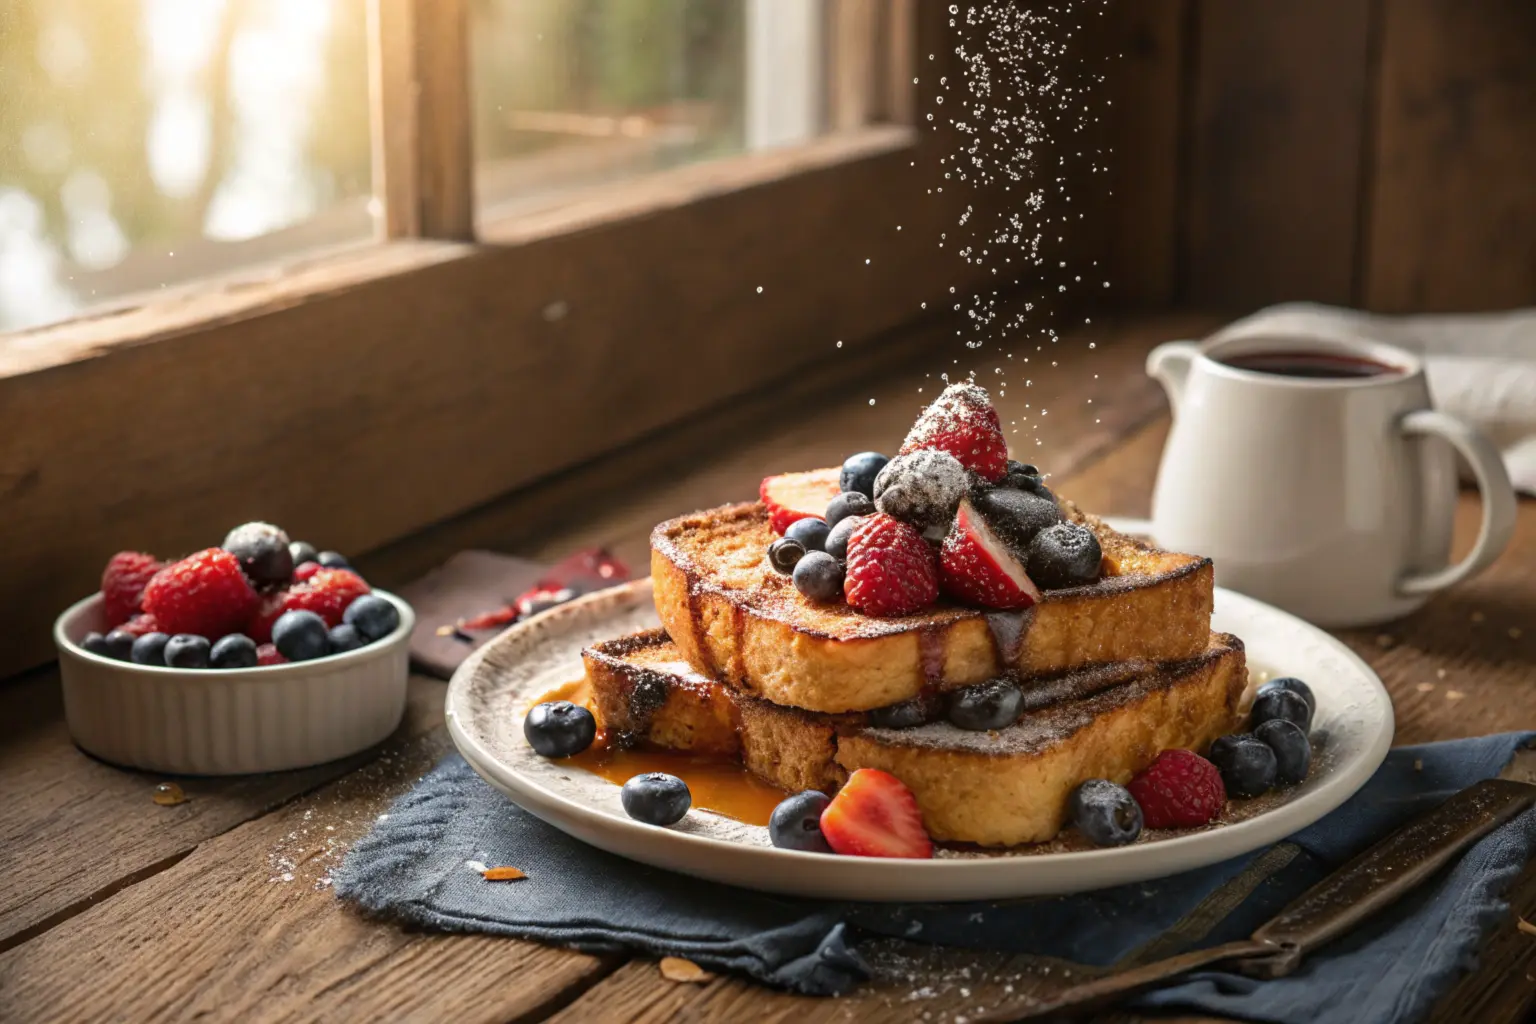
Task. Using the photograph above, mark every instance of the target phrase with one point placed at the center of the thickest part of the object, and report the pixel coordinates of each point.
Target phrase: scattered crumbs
(965, 993)
(1454, 695)
(287, 876)
(1514, 632)
(475, 866)
(1525, 926)
(1425, 687)
(168, 794)
(976, 918)
(1439, 673)
(914, 927)
(1478, 616)
(675, 968)
(1385, 640)
(502, 874)
(1418, 764)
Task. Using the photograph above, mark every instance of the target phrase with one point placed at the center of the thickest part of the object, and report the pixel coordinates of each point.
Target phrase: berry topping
(96, 644)
(1064, 555)
(977, 568)
(837, 540)
(796, 823)
(205, 594)
(116, 645)
(263, 551)
(345, 638)
(811, 533)
(1016, 516)
(327, 593)
(302, 552)
(1247, 764)
(185, 650)
(792, 496)
(140, 625)
(891, 569)
(819, 577)
(267, 654)
(1180, 789)
(985, 707)
(849, 503)
(922, 488)
(656, 798)
(1106, 814)
(123, 582)
(963, 423)
(1289, 705)
(905, 715)
(558, 728)
(332, 560)
(304, 571)
(234, 651)
(149, 649)
(301, 636)
(859, 472)
(372, 616)
(784, 553)
(875, 815)
(1293, 751)
(1296, 686)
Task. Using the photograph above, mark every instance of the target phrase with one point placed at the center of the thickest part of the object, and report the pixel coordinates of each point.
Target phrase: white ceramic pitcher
(1330, 497)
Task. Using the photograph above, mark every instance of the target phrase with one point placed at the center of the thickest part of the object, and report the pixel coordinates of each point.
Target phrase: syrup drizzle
(1008, 629)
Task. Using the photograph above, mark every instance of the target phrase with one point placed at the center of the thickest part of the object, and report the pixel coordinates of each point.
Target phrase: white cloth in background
(1481, 367)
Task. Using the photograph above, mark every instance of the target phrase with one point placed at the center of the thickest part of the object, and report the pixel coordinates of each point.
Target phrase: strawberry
(205, 593)
(268, 609)
(266, 654)
(326, 592)
(305, 571)
(875, 815)
(141, 624)
(123, 582)
(963, 423)
(977, 567)
(1180, 789)
(792, 496)
(891, 569)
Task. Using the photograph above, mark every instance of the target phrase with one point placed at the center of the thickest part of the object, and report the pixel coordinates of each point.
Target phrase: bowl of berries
(261, 654)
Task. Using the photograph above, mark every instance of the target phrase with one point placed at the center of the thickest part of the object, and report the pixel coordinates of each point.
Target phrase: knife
(1365, 885)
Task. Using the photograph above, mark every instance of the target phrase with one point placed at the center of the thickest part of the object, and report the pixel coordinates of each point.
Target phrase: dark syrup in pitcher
(1324, 365)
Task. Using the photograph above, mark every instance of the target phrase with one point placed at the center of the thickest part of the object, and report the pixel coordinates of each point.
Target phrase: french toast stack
(990, 646)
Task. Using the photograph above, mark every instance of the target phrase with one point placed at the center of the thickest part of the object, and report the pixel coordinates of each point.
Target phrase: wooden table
(112, 907)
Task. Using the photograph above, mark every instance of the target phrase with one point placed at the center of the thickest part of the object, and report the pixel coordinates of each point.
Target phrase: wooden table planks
(218, 909)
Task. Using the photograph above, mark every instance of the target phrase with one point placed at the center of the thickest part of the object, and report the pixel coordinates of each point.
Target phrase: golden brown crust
(736, 619)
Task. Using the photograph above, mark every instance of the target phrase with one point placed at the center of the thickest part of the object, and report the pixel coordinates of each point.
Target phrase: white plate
(492, 690)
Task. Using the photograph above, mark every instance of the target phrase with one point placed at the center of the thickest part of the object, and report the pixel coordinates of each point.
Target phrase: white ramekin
(230, 721)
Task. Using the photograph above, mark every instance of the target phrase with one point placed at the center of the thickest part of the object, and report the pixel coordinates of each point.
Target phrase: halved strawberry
(875, 815)
(976, 566)
(962, 422)
(792, 496)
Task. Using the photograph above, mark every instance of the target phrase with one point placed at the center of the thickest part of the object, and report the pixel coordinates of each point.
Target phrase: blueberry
(810, 532)
(373, 617)
(922, 488)
(656, 798)
(1293, 751)
(1246, 763)
(149, 649)
(558, 728)
(301, 636)
(859, 472)
(796, 823)
(1277, 703)
(119, 644)
(264, 552)
(1106, 814)
(234, 651)
(986, 706)
(96, 644)
(1017, 468)
(819, 577)
(900, 716)
(1017, 517)
(184, 650)
(1296, 686)
(1064, 555)
(345, 638)
(332, 560)
(302, 551)
(837, 540)
(849, 503)
(784, 553)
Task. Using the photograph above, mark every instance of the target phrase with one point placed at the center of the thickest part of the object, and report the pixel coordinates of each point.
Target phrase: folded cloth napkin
(1481, 367)
(421, 865)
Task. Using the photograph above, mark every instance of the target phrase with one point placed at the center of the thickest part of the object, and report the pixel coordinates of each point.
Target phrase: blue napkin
(416, 867)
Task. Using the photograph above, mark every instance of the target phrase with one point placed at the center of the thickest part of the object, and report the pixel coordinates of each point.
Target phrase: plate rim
(1224, 843)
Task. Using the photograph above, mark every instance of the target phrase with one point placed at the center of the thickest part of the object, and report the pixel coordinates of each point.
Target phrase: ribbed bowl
(230, 721)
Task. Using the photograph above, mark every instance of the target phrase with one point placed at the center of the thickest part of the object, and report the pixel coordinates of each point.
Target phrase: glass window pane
(144, 143)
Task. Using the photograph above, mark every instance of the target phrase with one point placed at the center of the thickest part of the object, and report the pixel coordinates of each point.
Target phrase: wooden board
(1452, 206)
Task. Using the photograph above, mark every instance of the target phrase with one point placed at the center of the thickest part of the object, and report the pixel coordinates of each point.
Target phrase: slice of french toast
(997, 788)
(735, 619)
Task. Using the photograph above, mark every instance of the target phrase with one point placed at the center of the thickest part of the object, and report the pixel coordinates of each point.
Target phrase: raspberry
(326, 592)
(268, 608)
(922, 488)
(891, 569)
(123, 582)
(305, 571)
(266, 654)
(141, 625)
(963, 423)
(205, 594)
(1180, 789)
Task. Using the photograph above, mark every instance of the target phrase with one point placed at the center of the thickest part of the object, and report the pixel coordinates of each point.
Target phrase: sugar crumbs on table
(1418, 764)
(1439, 673)
(675, 968)
(1385, 640)
(1525, 926)
(1425, 687)
(502, 874)
(1454, 695)
(168, 794)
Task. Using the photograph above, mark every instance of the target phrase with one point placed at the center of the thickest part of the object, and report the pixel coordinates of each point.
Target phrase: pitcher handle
(1492, 481)
(1169, 365)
